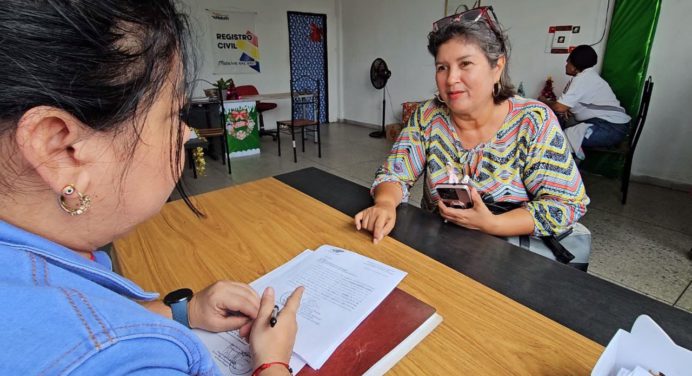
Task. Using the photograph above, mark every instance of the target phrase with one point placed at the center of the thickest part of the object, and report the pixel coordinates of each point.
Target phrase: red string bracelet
(264, 366)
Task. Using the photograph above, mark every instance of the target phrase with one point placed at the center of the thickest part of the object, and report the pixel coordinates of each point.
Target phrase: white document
(341, 289)
(230, 351)
(266, 280)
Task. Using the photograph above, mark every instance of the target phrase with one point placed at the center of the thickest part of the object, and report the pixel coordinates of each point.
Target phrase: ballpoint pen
(275, 313)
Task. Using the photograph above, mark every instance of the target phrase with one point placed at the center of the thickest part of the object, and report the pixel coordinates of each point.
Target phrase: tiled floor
(644, 245)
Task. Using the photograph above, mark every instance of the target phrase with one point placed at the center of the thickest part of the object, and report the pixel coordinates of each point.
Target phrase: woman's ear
(500, 67)
(51, 141)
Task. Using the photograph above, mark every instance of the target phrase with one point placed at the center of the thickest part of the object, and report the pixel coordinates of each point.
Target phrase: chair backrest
(245, 90)
(641, 116)
(305, 99)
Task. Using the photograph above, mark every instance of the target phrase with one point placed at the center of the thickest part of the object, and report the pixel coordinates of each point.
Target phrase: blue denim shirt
(61, 313)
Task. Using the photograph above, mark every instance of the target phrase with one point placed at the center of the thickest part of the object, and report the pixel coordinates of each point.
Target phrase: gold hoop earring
(84, 201)
(497, 87)
(439, 98)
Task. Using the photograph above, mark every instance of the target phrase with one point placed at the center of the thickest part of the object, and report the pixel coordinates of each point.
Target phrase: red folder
(394, 320)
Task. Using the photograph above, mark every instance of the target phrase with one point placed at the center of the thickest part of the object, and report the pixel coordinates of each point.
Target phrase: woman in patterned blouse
(512, 148)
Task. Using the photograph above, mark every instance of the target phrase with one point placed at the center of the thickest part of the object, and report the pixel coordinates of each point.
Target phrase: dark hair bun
(583, 57)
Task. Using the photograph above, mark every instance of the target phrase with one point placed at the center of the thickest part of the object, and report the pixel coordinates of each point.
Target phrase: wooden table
(252, 228)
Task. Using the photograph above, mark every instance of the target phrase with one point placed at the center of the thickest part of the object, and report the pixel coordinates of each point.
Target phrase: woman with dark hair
(91, 144)
(511, 148)
(591, 101)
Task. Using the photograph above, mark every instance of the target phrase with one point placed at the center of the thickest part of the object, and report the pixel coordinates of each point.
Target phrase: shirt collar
(19, 239)
(586, 71)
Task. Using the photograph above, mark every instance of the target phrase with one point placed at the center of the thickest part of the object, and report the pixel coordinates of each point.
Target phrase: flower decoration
(240, 124)
(198, 156)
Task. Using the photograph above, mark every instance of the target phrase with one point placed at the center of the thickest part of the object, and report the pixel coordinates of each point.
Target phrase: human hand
(542, 98)
(224, 306)
(378, 219)
(479, 217)
(274, 344)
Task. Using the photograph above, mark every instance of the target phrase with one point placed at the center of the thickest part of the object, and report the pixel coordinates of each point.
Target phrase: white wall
(271, 27)
(664, 150)
(527, 27)
(396, 30)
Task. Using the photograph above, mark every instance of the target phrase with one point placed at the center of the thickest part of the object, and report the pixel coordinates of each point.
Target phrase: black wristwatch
(178, 301)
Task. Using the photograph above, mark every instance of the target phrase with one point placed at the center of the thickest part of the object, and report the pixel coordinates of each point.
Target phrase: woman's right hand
(378, 219)
(274, 344)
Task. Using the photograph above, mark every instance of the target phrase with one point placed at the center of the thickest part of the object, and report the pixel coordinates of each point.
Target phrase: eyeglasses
(485, 13)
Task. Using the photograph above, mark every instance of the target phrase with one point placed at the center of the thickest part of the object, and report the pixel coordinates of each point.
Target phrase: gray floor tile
(656, 205)
(649, 259)
(685, 301)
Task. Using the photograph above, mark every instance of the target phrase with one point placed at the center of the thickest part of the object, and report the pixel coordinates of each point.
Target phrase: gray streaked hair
(493, 43)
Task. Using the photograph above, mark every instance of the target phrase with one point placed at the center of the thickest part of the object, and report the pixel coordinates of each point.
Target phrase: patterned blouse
(527, 161)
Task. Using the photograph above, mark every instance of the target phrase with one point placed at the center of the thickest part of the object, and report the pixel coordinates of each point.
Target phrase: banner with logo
(234, 43)
(242, 123)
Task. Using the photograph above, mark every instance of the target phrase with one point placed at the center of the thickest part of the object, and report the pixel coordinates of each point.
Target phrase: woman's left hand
(224, 306)
(479, 217)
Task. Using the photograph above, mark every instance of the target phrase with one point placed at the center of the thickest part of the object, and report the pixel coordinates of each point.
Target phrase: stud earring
(84, 201)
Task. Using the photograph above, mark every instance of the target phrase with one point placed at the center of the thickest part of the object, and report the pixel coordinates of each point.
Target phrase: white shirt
(589, 96)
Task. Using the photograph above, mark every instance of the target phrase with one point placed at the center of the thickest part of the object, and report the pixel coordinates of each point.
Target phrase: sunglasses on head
(485, 13)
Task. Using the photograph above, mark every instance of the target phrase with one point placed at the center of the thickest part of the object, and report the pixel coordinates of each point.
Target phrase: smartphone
(455, 195)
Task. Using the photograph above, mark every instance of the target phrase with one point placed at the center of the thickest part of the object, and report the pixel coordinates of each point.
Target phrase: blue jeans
(605, 133)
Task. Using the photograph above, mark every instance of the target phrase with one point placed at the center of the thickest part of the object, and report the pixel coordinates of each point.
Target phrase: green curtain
(629, 48)
(624, 67)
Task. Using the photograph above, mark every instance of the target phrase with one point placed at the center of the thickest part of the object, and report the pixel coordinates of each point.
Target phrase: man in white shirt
(589, 98)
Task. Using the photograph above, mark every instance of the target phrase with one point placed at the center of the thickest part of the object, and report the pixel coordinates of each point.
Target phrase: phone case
(455, 195)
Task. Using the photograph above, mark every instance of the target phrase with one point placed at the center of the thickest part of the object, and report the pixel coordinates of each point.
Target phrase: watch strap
(179, 310)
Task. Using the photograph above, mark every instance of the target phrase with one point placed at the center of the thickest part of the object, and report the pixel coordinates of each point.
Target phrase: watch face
(177, 296)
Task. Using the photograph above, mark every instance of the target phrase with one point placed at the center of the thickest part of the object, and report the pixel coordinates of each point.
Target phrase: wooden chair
(603, 160)
(249, 90)
(305, 113)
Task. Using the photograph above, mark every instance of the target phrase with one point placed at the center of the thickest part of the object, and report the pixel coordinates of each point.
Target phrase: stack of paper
(646, 349)
(341, 289)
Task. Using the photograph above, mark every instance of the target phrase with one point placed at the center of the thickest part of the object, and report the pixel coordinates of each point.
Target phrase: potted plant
(226, 85)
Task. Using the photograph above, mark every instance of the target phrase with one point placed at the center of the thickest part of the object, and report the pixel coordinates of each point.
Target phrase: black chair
(602, 160)
(305, 113)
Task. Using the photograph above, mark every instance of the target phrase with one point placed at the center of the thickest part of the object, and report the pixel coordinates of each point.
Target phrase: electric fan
(379, 74)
